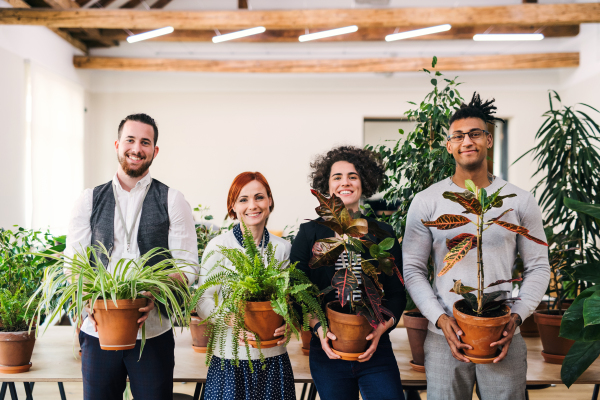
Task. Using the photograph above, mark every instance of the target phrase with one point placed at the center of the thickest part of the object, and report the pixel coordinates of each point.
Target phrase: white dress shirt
(182, 238)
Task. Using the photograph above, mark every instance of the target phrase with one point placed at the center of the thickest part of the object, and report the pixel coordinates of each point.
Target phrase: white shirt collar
(142, 183)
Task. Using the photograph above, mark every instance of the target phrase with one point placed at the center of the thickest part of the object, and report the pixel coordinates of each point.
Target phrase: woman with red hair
(249, 200)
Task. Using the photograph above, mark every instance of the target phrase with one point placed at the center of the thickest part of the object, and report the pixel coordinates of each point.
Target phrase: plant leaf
(326, 252)
(459, 288)
(375, 299)
(456, 254)
(465, 199)
(364, 311)
(521, 230)
(326, 290)
(578, 359)
(498, 201)
(593, 210)
(500, 216)
(501, 281)
(470, 186)
(387, 244)
(345, 282)
(588, 272)
(450, 243)
(375, 230)
(370, 270)
(471, 300)
(329, 208)
(447, 221)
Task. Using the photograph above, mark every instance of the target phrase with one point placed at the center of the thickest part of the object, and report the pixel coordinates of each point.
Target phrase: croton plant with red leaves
(351, 237)
(476, 201)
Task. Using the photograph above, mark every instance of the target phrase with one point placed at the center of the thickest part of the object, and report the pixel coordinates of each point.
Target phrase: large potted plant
(258, 294)
(20, 275)
(351, 320)
(115, 296)
(481, 317)
(581, 322)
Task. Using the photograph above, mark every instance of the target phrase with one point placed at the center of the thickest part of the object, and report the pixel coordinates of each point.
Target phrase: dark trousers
(105, 372)
(376, 379)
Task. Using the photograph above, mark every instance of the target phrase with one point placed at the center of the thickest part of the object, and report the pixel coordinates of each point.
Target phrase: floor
(74, 391)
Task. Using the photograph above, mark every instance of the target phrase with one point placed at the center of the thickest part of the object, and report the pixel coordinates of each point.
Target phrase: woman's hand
(374, 338)
(282, 331)
(247, 335)
(325, 343)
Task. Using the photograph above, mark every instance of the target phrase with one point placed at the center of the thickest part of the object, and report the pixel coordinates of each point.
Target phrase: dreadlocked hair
(477, 109)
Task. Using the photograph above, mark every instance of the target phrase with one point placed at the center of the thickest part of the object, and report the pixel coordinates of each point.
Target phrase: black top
(237, 232)
(394, 298)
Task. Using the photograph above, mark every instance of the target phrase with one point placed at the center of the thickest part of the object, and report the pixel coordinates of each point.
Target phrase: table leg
(61, 389)
(3, 391)
(203, 391)
(594, 395)
(13, 391)
(312, 393)
(28, 394)
(197, 391)
(304, 386)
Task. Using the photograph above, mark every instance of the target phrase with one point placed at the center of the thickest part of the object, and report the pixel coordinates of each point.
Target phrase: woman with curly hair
(350, 173)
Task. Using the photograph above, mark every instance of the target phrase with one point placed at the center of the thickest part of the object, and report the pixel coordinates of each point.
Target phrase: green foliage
(205, 232)
(21, 272)
(254, 276)
(419, 159)
(82, 280)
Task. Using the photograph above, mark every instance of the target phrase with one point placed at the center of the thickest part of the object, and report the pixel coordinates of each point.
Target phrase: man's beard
(137, 172)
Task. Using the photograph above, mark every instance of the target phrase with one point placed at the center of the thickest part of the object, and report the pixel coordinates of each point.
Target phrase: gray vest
(154, 221)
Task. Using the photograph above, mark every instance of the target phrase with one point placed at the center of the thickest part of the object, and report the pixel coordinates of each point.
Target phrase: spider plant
(253, 277)
(83, 279)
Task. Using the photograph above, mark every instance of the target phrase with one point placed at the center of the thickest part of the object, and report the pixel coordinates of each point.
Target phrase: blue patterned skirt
(275, 382)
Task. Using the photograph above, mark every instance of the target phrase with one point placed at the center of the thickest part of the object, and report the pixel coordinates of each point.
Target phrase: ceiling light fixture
(418, 32)
(239, 34)
(150, 34)
(329, 33)
(502, 37)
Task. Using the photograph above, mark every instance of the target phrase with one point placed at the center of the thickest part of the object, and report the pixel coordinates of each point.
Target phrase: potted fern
(114, 296)
(481, 317)
(258, 293)
(351, 320)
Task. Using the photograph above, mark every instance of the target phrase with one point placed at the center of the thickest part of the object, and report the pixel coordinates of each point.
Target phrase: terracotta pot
(117, 325)
(529, 328)
(15, 351)
(200, 333)
(261, 319)
(349, 329)
(306, 336)
(555, 347)
(479, 333)
(416, 329)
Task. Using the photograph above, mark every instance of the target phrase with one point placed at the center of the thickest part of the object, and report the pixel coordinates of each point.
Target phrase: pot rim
(336, 315)
(259, 305)
(476, 320)
(123, 304)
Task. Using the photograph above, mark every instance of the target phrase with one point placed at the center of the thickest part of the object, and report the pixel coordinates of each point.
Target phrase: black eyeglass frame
(449, 137)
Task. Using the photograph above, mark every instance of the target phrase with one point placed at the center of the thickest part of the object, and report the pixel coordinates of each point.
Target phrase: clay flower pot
(529, 328)
(555, 347)
(350, 331)
(117, 325)
(306, 336)
(416, 329)
(261, 319)
(479, 333)
(15, 351)
(200, 333)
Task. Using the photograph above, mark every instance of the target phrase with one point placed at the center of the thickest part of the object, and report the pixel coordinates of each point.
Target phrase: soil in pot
(306, 336)
(200, 333)
(349, 329)
(117, 324)
(261, 319)
(15, 351)
(480, 332)
(416, 329)
(555, 347)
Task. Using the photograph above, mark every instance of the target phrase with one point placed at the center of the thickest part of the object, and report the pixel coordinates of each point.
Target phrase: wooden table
(55, 359)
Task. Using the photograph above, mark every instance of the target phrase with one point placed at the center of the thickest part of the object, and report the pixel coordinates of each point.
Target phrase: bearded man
(131, 215)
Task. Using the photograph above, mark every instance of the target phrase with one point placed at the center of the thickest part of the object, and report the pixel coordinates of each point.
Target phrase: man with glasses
(451, 375)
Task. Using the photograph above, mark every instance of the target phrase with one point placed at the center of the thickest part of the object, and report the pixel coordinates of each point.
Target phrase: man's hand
(509, 332)
(91, 317)
(146, 310)
(281, 331)
(180, 277)
(451, 329)
(374, 337)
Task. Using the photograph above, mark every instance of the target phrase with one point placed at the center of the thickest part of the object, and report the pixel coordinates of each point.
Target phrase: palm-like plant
(83, 279)
(251, 277)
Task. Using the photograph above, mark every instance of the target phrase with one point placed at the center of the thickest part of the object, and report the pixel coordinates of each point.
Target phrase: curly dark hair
(368, 164)
(484, 110)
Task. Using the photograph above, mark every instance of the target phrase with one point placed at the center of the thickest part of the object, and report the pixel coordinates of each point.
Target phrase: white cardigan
(206, 304)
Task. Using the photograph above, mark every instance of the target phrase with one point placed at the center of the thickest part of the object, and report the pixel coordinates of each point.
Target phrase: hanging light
(418, 32)
(238, 34)
(507, 37)
(329, 33)
(150, 34)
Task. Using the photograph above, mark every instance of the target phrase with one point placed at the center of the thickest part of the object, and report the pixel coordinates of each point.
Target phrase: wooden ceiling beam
(519, 14)
(160, 4)
(462, 63)
(363, 34)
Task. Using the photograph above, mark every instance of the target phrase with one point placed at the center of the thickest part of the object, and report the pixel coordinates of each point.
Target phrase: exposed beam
(243, 4)
(132, 4)
(520, 14)
(462, 63)
(363, 34)
(160, 4)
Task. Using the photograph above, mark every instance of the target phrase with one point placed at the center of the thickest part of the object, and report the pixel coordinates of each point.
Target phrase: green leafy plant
(21, 273)
(568, 159)
(581, 322)
(252, 277)
(476, 201)
(83, 279)
(351, 238)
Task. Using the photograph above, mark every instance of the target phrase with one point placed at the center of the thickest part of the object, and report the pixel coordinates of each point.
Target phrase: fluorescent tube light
(329, 33)
(501, 37)
(150, 34)
(238, 34)
(418, 32)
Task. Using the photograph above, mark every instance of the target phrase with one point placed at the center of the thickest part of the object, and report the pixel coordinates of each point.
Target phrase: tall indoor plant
(352, 320)
(258, 292)
(481, 317)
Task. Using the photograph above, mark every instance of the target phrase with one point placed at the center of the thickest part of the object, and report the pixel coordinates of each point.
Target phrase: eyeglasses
(474, 135)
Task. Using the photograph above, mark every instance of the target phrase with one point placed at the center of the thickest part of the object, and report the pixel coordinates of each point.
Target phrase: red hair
(239, 182)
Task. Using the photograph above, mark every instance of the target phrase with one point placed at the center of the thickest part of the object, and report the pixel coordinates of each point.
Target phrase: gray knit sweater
(500, 248)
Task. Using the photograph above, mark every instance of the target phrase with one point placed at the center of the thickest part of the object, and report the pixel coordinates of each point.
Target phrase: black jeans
(105, 372)
(376, 379)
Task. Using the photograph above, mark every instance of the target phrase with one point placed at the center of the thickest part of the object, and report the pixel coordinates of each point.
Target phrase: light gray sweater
(500, 248)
